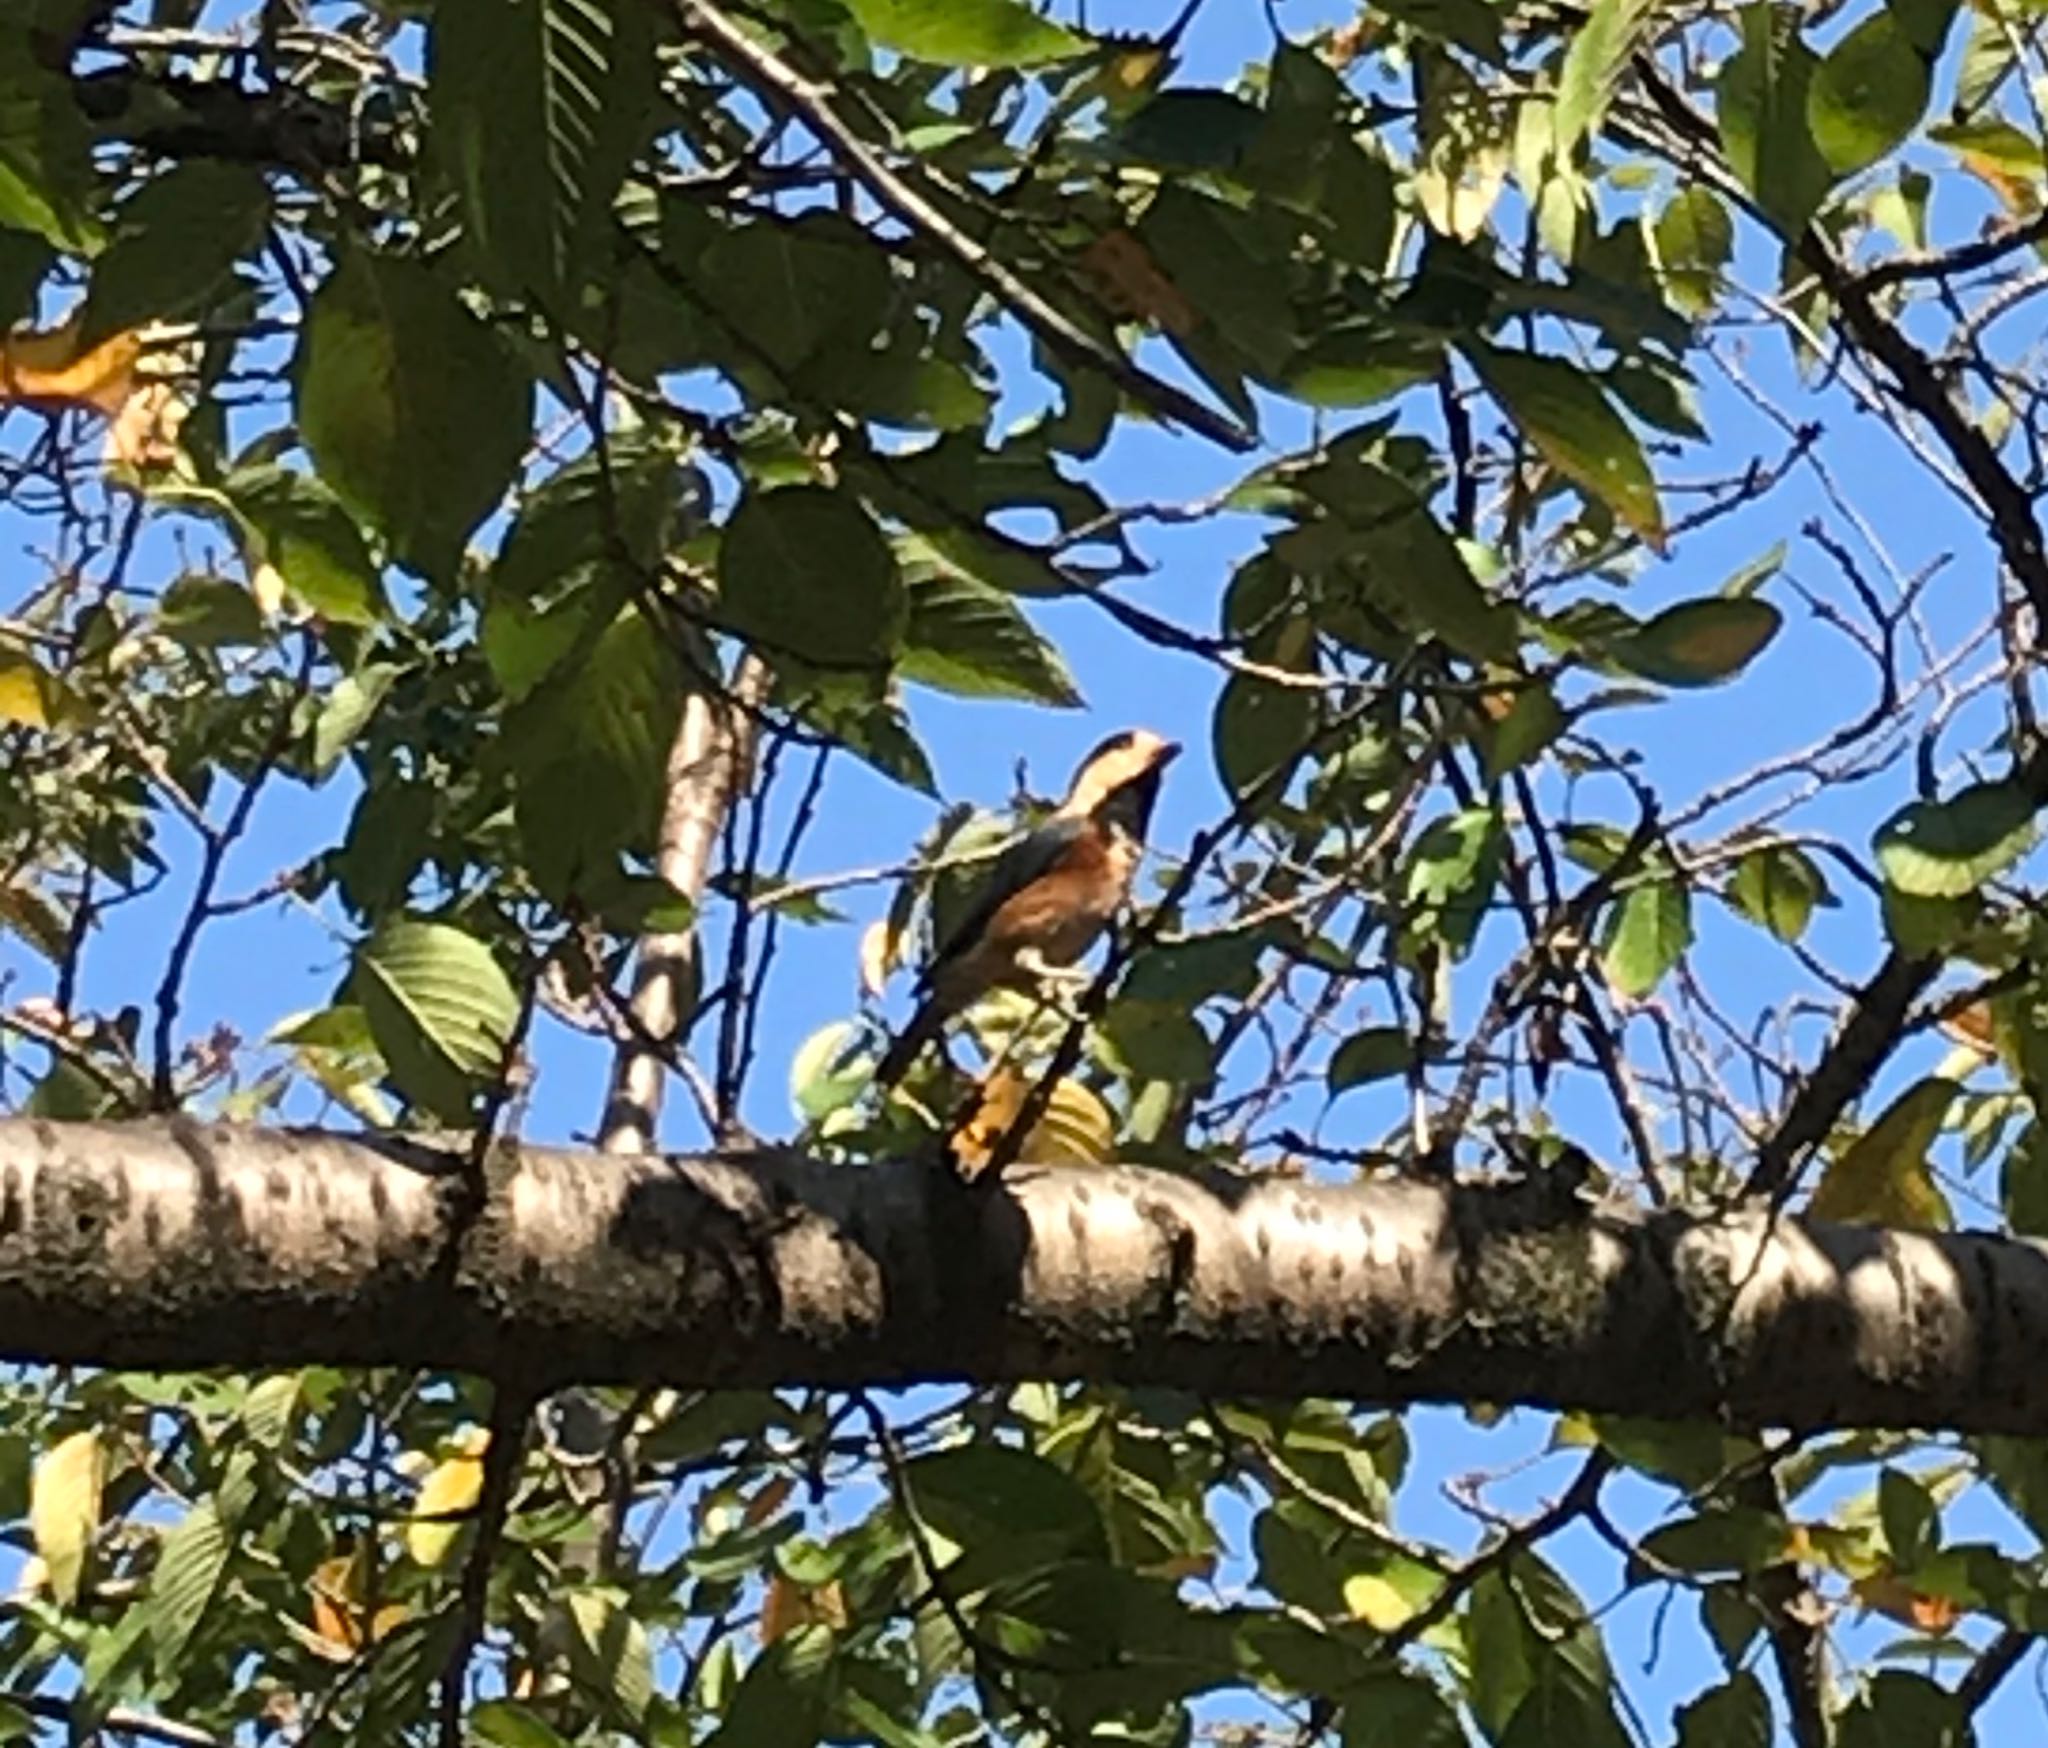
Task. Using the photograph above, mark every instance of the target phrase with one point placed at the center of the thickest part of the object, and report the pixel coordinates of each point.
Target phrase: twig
(511, 1411)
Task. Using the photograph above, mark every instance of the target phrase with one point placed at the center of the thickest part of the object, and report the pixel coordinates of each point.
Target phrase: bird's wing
(1030, 858)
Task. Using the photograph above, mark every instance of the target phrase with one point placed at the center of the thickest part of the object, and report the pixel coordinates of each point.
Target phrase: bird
(1050, 895)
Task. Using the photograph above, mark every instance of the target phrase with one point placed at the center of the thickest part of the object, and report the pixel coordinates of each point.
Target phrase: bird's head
(1125, 770)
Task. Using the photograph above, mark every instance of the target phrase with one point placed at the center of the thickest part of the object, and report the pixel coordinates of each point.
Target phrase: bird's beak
(1169, 750)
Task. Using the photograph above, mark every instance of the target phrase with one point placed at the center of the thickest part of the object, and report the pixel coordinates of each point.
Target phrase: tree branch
(177, 1244)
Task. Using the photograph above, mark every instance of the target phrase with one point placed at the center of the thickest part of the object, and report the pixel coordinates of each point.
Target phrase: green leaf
(972, 640)
(610, 1652)
(804, 570)
(347, 711)
(966, 33)
(1397, 1708)
(810, 294)
(1189, 130)
(1883, 1177)
(1695, 239)
(1532, 721)
(298, 525)
(1720, 1540)
(1451, 874)
(1574, 426)
(188, 1572)
(204, 612)
(414, 411)
(1593, 66)
(1868, 94)
(1900, 1708)
(440, 1008)
(1359, 364)
(1260, 732)
(588, 752)
(1699, 643)
(781, 1700)
(2023, 1182)
(1948, 849)
(505, 1723)
(45, 150)
(176, 241)
(1762, 114)
(829, 1071)
(1376, 1053)
(1779, 887)
(24, 259)
(980, 1494)
(1734, 1715)
(1651, 930)
(538, 107)
(1156, 1040)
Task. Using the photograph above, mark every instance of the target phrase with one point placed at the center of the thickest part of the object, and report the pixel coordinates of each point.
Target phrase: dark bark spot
(277, 1184)
(10, 1204)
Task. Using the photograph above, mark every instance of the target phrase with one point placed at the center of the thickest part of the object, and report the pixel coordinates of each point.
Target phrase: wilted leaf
(48, 370)
(1883, 1178)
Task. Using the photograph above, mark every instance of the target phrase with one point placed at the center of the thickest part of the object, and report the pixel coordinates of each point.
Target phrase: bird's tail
(909, 1044)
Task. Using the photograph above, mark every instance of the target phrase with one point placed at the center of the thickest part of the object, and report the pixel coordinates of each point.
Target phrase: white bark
(180, 1244)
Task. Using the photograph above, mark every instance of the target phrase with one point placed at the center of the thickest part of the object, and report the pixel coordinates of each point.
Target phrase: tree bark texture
(180, 1244)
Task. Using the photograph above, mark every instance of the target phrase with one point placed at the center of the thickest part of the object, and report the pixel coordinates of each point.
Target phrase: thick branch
(178, 1244)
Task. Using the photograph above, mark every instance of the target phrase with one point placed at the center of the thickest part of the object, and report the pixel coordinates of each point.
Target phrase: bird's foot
(1067, 980)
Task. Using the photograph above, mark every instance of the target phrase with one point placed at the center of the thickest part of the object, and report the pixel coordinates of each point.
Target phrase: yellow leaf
(789, 1605)
(46, 370)
(1882, 1179)
(1890, 1595)
(1371, 1599)
(341, 1622)
(266, 583)
(64, 1509)
(1077, 1128)
(450, 1490)
(24, 697)
(879, 947)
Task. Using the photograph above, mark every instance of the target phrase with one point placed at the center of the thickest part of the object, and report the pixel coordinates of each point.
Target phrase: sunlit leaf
(445, 1497)
(967, 33)
(1948, 849)
(1651, 929)
(1762, 113)
(1868, 93)
(440, 1008)
(64, 1509)
(1779, 886)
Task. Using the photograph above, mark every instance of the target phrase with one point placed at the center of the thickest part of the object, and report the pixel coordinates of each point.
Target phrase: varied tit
(1049, 897)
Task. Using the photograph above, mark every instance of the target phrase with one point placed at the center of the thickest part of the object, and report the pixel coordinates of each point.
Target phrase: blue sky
(254, 969)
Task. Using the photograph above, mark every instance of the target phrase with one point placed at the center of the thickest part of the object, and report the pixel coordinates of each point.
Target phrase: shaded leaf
(1699, 643)
(1375, 1053)
(414, 412)
(1762, 114)
(189, 1569)
(1574, 426)
(299, 526)
(538, 106)
(1593, 66)
(805, 570)
(972, 640)
(1883, 1178)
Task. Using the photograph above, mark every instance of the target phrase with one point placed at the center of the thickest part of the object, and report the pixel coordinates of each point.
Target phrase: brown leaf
(44, 369)
(1126, 279)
